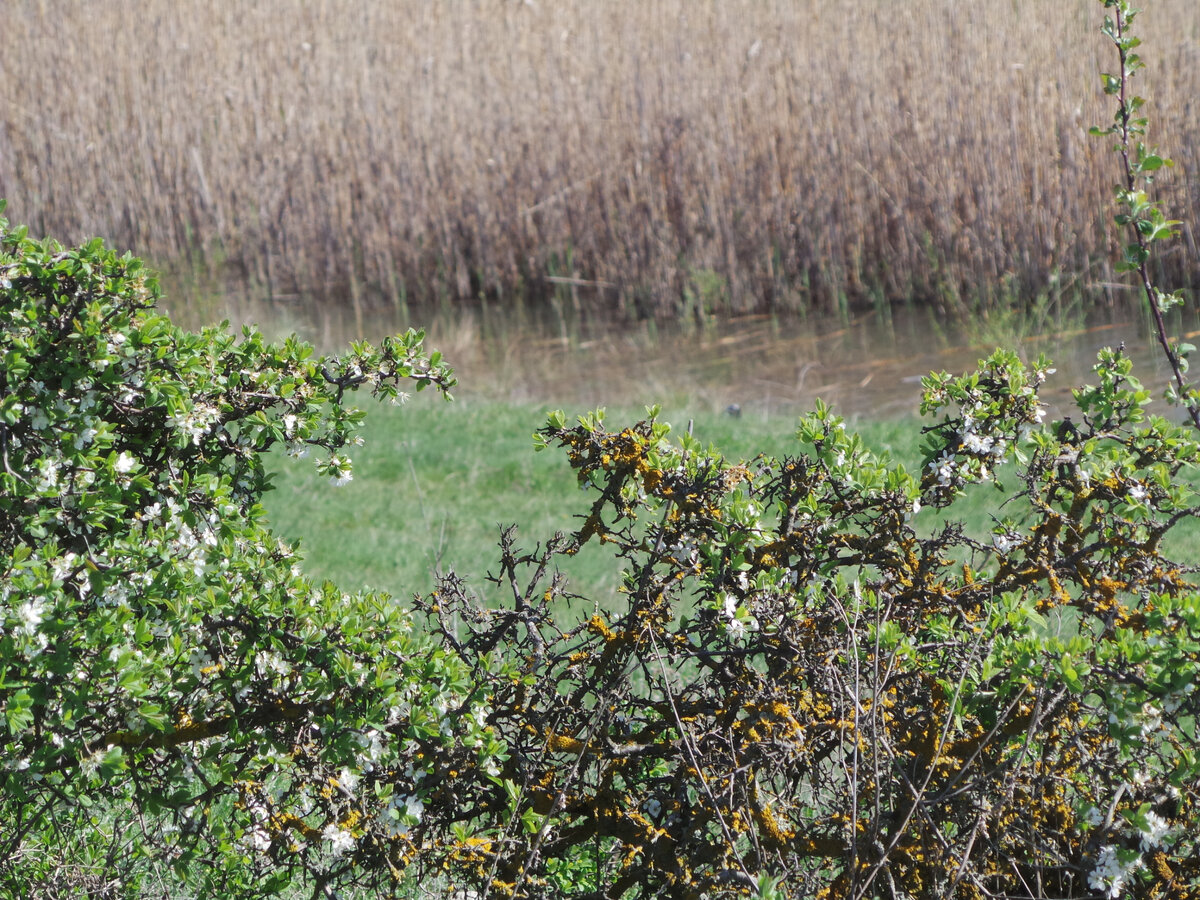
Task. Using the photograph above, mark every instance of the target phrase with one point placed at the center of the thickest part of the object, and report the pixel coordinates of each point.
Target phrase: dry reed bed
(746, 154)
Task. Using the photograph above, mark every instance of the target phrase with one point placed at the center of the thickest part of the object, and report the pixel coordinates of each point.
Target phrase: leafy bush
(180, 703)
(802, 682)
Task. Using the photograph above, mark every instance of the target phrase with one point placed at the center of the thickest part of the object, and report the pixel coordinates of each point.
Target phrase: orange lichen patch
(765, 818)
(1050, 526)
(651, 478)
(593, 524)
(597, 626)
(281, 822)
(735, 475)
(563, 743)
(474, 851)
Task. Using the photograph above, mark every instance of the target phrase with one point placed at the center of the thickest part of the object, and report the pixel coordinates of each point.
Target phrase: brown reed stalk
(796, 155)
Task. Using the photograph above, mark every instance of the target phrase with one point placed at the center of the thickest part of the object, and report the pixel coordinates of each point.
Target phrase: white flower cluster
(87, 433)
(1115, 865)
(340, 471)
(944, 466)
(259, 836)
(200, 661)
(48, 470)
(31, 614)
(340, 840)
(269, 663)
(1147, 721)
(1112, 871)
(371, 742)
(195, 422)
(401, 813)
(984, 444)
(976, 443)
(1156, 832)
(737, 623)
(1005, 541)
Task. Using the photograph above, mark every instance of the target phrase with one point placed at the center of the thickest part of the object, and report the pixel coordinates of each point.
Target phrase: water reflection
(868, 367)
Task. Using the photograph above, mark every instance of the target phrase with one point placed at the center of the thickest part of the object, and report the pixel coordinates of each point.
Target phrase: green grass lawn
(435, 482)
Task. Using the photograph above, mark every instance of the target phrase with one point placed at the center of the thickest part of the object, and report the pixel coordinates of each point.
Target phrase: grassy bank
(660, 158)
(435, 483)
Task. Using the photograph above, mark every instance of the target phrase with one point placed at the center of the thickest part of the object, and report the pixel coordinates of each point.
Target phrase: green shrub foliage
(180, 702)
(814, 673)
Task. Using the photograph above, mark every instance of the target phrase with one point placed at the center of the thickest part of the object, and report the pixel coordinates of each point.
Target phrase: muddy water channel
(869, 366)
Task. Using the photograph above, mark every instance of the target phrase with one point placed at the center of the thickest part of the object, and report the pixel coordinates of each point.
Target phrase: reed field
(658, 158)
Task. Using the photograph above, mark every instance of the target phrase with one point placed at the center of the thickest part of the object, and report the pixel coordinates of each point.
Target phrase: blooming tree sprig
(1139, 214)
(994, 411)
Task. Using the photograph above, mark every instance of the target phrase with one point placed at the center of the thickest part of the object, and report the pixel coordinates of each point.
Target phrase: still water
(869, 366)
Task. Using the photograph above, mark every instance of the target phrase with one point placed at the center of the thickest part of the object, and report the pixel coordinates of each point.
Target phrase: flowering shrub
(806, 677)
(180, 703)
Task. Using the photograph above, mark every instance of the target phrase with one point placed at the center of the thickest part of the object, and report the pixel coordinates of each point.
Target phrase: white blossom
(372, 744)
(414, 806)
(340, 840)
(944, 467)
(1156, 833)
(731, 605)
(401, 813)
(196, 422)
(85, 437)
(200, 661)
(1004, 542)
(90, 764)
(976, 443)
(39, 420)
(340, 471)
(49, 477)
(1110, 874)
(268, 662)
(31, 614)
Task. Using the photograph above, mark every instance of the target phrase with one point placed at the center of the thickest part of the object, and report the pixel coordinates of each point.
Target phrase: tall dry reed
(647, 155)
